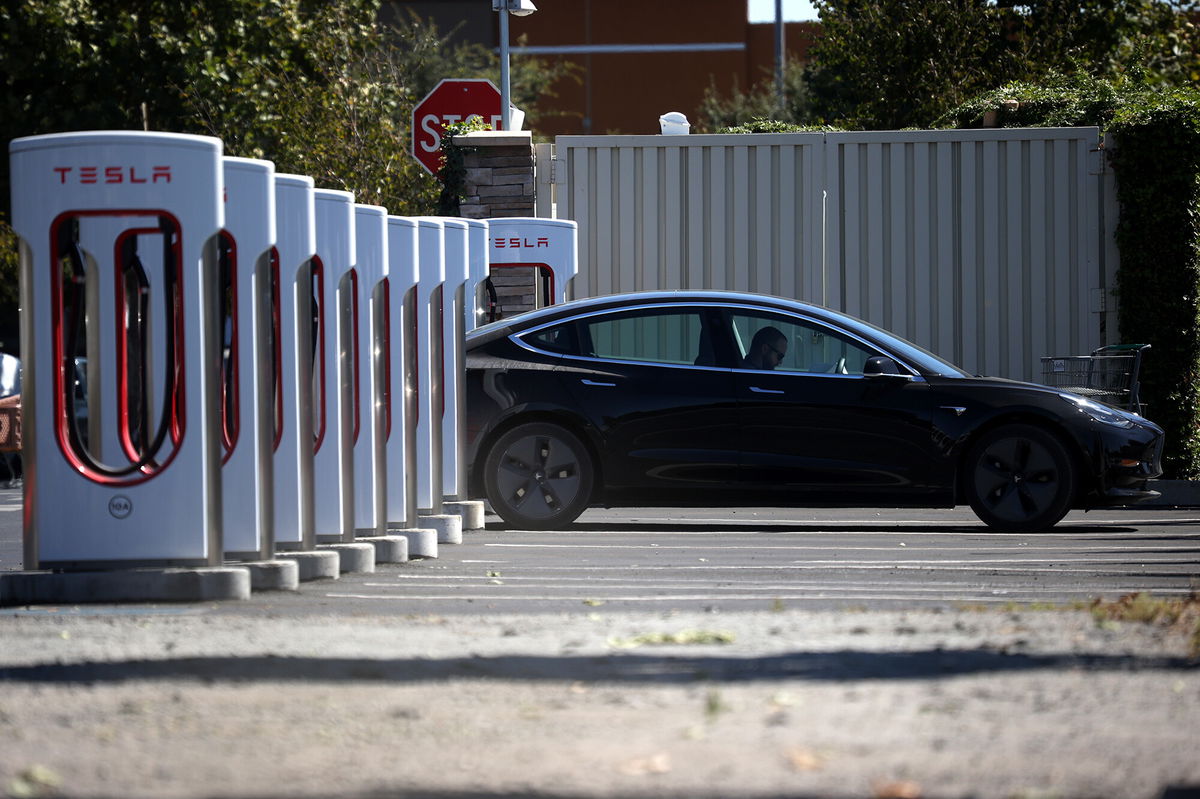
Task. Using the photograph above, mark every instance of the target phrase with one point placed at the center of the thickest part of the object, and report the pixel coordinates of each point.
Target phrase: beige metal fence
(991, 248)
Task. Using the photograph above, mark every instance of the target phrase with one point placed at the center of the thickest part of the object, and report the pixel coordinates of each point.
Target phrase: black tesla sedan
(671, 399)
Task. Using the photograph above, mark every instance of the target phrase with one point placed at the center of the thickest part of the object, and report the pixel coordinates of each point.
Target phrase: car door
(814, 428)
(648, 381)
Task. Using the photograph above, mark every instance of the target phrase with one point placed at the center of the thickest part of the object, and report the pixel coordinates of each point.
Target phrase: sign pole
(505, 82)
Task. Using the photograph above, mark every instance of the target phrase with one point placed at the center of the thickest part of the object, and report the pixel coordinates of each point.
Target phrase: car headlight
(1101, 413)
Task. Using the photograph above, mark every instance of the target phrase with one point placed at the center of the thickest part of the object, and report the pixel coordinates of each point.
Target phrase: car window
(787, 344)
(561, 339)
(655, 336)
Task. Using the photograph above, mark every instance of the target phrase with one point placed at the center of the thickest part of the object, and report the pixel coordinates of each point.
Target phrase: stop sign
(452, 100)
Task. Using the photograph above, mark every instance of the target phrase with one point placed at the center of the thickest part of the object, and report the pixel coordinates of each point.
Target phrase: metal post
(779, 47)
(505, 89)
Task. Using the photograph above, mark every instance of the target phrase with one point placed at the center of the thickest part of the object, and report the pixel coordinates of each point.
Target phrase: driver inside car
(768, 348)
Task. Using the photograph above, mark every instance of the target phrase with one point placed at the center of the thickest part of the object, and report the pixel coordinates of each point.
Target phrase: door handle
(757, 390)
(587, 382)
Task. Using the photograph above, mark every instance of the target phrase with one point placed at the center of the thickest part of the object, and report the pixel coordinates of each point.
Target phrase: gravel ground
(184, 703)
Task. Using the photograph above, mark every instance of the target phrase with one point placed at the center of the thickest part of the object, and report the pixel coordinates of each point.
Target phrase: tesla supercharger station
(370, 467)
(156, 499)
(475, 309)
(431, 274)
(402, 386)
(295, 228)
(248, 302)
(457, 251)
(334, 367)
(551, 246)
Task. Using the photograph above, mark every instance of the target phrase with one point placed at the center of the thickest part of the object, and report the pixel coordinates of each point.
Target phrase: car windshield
(919, 357)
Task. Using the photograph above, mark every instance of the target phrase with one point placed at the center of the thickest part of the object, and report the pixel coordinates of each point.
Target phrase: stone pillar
(499, 183)
(499, 173)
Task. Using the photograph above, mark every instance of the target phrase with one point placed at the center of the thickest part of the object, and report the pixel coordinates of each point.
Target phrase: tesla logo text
(112, 174)
(521, 242)
(120, 506)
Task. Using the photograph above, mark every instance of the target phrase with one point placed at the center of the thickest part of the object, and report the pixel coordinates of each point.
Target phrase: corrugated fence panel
(659, 212)
(984, 246)
(979, 245)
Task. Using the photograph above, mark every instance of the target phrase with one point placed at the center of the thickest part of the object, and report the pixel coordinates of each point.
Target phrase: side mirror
(883, 366)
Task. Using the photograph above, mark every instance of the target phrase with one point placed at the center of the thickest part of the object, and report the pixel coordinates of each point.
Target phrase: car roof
(636, 298)
(884, 339)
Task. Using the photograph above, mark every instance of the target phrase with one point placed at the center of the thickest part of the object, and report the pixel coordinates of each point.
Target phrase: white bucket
(674, 124)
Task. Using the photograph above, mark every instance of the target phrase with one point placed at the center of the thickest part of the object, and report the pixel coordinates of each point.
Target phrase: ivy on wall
(1156, 158)
(453, 173)
(1157, 161)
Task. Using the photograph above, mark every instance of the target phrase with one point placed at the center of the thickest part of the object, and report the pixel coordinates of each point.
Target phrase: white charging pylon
(156, 501)
(250, 279)
(334, 367)
(296, 246)
(370, 465)
(457, 258)
(401, 446)
(550, 246)
(475, 308)
(431, 275)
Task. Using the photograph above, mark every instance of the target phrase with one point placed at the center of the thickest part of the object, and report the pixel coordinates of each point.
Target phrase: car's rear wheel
(538, 476)
(1019, 479)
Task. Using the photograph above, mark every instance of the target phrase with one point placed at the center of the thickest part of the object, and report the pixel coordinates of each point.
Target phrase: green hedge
(1157, 162)
(1156, 158)
(764, 125)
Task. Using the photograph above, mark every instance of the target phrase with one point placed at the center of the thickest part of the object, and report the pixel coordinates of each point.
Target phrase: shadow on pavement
(1169, 792)
(622, 667)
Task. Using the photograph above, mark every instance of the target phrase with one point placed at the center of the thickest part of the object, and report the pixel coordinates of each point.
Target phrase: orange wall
(626, 92)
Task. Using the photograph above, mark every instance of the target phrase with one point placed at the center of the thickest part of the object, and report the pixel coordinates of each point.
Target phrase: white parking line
(825, 594)
(1059, 535)
(764, 590)
(1085, 566)
(893, 550)
(963, 528)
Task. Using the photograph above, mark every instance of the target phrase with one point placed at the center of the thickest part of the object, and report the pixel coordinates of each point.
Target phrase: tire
(538, 476)
(1019, 479)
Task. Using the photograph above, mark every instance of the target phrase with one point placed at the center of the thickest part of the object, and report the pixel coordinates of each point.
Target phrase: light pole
(779, 56)
(520, 8)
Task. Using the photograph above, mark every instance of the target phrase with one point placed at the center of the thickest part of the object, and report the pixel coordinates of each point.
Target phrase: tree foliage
(337, 112)
(891, 64)
(319, 88)
(897, 63)
(759, 102)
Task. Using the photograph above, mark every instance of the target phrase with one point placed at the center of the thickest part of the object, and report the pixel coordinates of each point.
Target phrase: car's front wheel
(1019, 479)
(538, 476)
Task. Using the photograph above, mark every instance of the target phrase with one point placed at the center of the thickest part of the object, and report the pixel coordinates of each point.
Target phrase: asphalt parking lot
(659, 653)
(735, 560)
(740, 559)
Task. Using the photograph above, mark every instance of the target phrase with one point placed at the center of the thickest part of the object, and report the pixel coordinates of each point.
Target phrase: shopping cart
(1108, 375)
